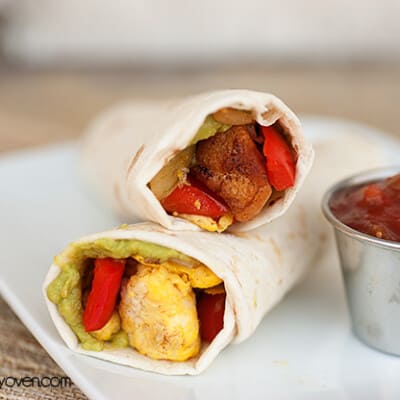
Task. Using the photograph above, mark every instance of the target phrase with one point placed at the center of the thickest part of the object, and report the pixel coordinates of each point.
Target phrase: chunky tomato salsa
(372, 208)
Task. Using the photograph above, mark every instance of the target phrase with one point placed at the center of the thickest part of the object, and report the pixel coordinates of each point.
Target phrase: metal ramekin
(371, 272)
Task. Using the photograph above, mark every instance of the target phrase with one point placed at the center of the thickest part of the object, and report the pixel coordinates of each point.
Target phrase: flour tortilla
(127, 146)
(258, 267)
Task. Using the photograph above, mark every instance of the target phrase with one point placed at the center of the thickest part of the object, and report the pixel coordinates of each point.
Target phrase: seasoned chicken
(158, 311)
(232, 167)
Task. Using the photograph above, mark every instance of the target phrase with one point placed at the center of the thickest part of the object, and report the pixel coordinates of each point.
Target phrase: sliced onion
(173, 172)
(232, 116)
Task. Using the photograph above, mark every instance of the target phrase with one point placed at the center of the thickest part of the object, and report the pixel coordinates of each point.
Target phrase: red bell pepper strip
(211, 309)
(103, 294)
(193, 199)
(281, 165)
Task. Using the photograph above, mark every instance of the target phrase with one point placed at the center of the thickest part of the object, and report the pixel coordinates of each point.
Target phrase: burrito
(170, 301)
(227, 159)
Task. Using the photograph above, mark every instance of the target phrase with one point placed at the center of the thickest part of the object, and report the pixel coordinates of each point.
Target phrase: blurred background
(61, 62)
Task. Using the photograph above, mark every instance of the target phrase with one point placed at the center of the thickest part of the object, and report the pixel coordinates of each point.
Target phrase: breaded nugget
(232, 167)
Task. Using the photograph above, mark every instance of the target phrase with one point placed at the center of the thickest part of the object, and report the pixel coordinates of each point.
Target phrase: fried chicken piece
(232, 167)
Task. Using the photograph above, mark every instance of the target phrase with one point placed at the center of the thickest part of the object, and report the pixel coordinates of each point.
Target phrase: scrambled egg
(158, 312)
(199, 275)
(208, 223)
(216, 289)
(109, 329)
(158, 308)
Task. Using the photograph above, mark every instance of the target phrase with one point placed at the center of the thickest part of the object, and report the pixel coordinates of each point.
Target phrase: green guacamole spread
(66, 289)
(209, 128)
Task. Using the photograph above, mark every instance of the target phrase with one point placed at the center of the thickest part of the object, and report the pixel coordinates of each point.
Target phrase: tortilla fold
(127, 146)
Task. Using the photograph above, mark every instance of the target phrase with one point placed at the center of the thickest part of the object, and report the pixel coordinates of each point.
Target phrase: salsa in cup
(372, 208)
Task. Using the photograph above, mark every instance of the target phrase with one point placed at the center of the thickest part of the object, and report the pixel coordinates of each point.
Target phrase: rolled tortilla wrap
(258, 268)
(255, 270)
(126, 147)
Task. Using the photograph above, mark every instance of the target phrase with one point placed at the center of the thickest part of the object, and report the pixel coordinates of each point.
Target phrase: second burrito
(231, 159)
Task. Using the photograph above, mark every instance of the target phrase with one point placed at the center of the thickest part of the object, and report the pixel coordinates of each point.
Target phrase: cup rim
(358, 179)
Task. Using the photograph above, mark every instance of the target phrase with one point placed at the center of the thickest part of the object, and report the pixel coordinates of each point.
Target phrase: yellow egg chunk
(109, 329)
(208, 223)
(219, 289)
(199, 275)
(158, 312)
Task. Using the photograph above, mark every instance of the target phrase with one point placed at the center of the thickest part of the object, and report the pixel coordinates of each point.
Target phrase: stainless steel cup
(371, 271)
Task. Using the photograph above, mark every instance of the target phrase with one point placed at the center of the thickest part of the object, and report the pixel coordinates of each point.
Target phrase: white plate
(303, 349)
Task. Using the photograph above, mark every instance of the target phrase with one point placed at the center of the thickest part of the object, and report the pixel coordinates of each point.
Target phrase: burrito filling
(233, 168)
(130, 293)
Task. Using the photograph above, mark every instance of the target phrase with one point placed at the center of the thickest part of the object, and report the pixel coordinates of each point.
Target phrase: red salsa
(372, 208)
